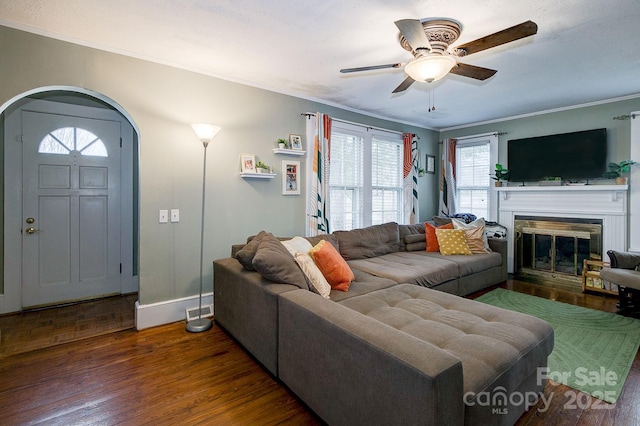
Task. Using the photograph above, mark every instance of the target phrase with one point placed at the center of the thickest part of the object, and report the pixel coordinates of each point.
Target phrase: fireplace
(607, 203)
(556, 247)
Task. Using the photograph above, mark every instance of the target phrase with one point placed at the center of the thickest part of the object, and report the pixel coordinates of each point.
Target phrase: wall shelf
(282, 151)
(257, 175)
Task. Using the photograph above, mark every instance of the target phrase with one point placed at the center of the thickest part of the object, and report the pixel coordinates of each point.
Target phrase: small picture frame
(247, 163)
(290, 177)
(431, 164)
(295, 141)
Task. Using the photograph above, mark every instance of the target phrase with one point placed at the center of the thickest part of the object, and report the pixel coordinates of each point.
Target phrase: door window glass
(67, 139)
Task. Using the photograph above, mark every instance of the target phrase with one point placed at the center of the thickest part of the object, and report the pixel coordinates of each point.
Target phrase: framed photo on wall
(295, 141)
(290, 177)
(247, 163)
(431, 164)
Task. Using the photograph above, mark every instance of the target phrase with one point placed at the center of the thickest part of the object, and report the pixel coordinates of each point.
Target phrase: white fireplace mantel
(605, 202)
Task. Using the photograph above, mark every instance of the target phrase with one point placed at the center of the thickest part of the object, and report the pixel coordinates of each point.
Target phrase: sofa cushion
(297, 245)
(441, 220)
(415, 242)
(469, 265)
(369, 242)
(333, 266)
(452, 241)
(326, 237)
(317, 281)
(432, 240)
(409, 267)
(406, 230)
(475, 239)
(245, 254)
(274, 262)
(497, 347)
(478, 223)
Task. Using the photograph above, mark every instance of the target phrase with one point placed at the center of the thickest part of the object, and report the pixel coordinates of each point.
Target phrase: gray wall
(585, 118)
(163, 102)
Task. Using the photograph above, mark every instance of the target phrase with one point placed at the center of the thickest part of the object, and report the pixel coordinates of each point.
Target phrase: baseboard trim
(155, 314)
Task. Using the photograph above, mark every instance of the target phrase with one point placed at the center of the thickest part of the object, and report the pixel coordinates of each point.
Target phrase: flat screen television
(571, 156)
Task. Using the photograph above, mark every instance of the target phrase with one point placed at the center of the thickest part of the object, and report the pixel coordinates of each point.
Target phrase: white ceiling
(585, 50)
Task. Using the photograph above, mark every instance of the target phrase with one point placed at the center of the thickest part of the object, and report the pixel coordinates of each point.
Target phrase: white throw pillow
(297, 245)
(313, 274)
(478, 223)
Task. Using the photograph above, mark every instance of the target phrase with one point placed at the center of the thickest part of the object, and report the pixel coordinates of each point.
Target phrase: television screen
(571, 156)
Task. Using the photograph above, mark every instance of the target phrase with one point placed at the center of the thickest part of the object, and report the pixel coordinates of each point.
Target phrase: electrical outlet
(175, 215)
(163, 217)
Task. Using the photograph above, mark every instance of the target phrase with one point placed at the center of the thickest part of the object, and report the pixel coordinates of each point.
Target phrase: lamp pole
(206, 133)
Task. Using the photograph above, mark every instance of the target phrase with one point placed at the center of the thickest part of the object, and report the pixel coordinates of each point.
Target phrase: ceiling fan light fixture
(430, 68)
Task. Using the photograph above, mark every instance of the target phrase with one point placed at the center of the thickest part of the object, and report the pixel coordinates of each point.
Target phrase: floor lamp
(205, 132)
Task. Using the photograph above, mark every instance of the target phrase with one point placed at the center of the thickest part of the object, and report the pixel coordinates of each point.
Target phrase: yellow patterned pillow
(452, 241)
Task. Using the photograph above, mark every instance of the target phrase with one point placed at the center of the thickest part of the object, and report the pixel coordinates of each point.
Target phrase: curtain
(447, 204)
(410, 181)
(318, 131)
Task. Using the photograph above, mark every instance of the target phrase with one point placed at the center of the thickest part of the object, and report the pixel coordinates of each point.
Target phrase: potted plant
(500, 174)
(262, 168)
(617, 171)
(282, 143)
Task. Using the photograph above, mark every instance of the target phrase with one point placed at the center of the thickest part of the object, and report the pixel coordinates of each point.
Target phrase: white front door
(71, 208)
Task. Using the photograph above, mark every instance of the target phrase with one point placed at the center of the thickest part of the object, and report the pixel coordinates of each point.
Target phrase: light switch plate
(163, 217)
(175, 215)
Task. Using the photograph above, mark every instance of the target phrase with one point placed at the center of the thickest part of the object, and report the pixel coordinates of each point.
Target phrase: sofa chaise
(400, 346)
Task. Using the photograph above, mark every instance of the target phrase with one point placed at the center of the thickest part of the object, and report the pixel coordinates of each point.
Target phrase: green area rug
(593, 350)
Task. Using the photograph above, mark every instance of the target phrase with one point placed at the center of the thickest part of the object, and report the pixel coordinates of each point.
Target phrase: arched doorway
(74, 175)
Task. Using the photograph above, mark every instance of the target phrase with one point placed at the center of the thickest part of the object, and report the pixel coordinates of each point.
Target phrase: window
(475, 158)
(365, 179)
(65, 140)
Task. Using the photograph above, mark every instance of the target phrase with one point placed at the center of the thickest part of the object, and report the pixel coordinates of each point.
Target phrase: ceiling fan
(429, 40)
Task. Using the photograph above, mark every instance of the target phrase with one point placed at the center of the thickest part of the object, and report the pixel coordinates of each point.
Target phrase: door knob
(31, 230)
(30, 220)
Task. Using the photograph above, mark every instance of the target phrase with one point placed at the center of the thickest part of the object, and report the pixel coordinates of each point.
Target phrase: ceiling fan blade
(413, 32)
(508, 35)
(473, 71)
(404, 85)
(373, 67)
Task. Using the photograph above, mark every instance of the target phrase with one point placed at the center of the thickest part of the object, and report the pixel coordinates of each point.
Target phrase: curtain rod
(311, 114)
(479, 136)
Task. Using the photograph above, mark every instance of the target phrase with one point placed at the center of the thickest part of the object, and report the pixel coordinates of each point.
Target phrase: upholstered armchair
(624, 273)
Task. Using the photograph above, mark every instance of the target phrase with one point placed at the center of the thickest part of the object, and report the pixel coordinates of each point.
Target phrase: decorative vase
(621, 181)
(281, 145)
(261, 170)
(498, 183)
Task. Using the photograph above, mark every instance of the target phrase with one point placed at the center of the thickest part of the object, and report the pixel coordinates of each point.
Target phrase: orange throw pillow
(334, 268)
(430, 232)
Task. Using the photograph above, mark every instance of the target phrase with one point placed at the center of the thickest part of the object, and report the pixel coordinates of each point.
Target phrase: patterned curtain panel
(318, 131)
(447, 203)
(410, 182)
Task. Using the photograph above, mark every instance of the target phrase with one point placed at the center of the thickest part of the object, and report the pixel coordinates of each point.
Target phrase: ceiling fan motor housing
(440, 32)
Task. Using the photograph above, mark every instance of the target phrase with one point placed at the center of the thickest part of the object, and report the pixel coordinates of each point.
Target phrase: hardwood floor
(166, 375)
(42, 328)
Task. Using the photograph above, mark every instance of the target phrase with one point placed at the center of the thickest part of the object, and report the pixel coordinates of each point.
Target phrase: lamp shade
(205, 132)
(430, 67)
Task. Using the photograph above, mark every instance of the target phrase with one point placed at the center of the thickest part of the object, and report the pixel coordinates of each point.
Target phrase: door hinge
(121, 268)
(120, 142)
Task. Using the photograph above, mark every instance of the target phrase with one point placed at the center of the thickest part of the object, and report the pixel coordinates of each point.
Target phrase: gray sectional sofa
(397, 348)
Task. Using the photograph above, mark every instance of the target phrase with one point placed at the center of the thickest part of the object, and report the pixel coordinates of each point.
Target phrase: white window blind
(365, 182)
(474, 164)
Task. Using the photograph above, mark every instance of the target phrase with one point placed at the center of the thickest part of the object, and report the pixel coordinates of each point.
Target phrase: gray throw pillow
(245, 254)
(441, 220)
(274, 262)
